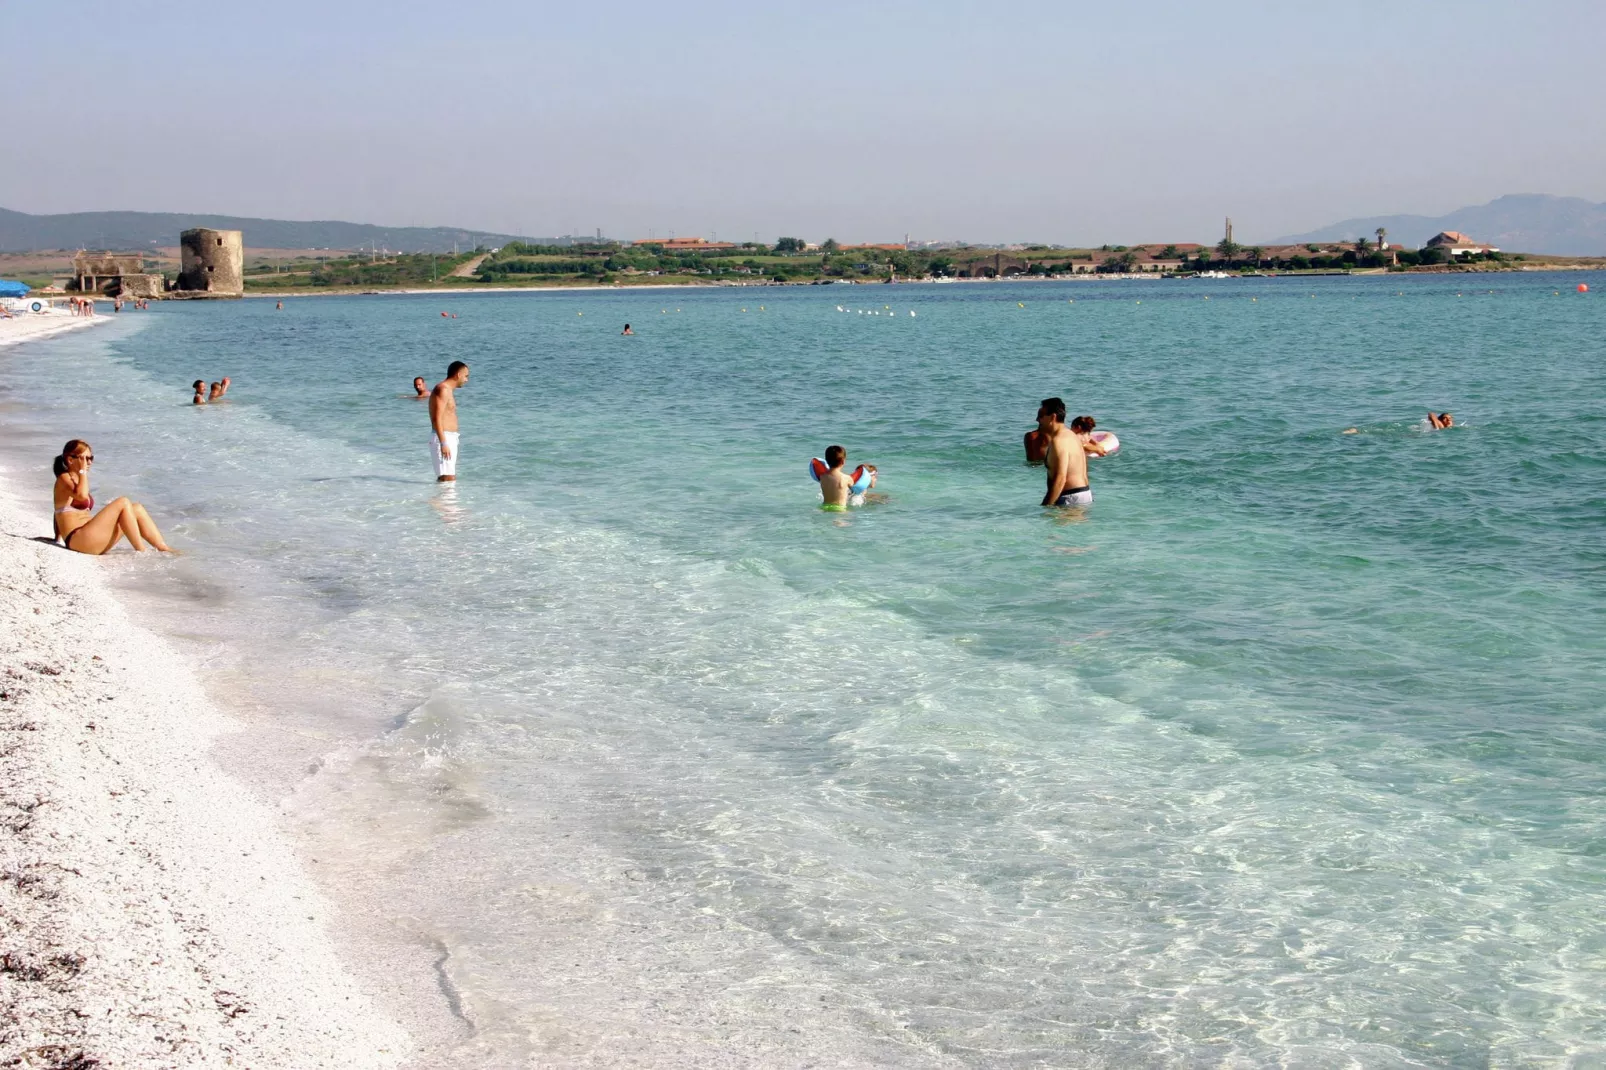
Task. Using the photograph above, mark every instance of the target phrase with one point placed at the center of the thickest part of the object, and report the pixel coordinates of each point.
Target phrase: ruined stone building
(212, 262)
(114, 274)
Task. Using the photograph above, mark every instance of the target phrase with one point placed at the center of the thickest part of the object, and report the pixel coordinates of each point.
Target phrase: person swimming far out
(836, 485)
(627, 330)
(420, 388)
(84, 533)
(1440, 421)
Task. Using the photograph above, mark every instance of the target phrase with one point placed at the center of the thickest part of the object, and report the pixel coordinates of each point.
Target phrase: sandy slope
(28, 326)
(152, 914)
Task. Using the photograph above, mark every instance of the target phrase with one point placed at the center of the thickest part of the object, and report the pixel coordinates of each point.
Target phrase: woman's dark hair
(73, 446)
(198, 384)
(1083, 423)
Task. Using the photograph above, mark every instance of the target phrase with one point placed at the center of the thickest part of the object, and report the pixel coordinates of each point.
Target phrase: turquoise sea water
(1290, 749)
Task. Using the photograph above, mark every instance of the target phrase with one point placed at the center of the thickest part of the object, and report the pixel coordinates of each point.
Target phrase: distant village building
(211, 262)
(1457, 244)
(891, 247)
(685, 245)
(113, 274)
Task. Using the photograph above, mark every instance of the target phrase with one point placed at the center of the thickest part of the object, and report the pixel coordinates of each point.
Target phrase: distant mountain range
(21, 232)
(1516, 223)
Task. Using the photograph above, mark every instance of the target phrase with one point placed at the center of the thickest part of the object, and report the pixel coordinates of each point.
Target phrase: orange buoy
(1583, 287)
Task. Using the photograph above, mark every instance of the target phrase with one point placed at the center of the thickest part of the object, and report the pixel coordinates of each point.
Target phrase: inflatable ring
(36, 305)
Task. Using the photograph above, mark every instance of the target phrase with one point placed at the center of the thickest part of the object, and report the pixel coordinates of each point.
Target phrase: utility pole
(1229, 230)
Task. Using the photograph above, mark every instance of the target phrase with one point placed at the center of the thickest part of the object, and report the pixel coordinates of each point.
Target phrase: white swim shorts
(1080, 496)
(447, 467)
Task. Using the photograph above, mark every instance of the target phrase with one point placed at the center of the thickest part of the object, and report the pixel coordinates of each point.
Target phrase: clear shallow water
(1290, 749)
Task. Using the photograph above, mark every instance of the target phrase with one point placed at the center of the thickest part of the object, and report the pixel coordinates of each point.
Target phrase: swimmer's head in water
(835, 456)
(419, 384)
(1083, 424)
(198, 384)
(1052, 407)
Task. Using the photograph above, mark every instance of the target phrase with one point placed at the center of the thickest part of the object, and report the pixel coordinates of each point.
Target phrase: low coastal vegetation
(519, 264)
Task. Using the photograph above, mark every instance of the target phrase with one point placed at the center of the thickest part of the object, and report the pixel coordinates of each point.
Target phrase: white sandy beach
(154, 913)
(31, 326)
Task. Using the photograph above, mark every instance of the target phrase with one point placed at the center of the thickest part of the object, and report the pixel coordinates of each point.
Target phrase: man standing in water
(1066, 456)
(443, 421)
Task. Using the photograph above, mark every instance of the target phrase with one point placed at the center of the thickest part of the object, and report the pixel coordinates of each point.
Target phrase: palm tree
(1382, 238)
(1362, 245)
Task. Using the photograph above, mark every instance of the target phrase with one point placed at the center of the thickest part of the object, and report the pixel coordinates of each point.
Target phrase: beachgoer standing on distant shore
(200, 393)
(1066, 457)
(443, 421)
(96, 534)
(420, 388)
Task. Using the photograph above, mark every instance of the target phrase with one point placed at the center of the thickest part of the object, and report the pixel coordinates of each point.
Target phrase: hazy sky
(1064, 121)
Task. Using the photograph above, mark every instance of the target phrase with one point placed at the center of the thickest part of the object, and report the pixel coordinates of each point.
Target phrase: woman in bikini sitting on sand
(96, 534)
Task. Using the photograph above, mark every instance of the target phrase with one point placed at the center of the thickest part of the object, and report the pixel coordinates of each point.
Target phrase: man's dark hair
(1082, 424)
(1054, 407)
(835, 455)
(454, 367)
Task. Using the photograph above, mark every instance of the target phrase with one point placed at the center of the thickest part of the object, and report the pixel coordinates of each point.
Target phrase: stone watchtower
(212, 261)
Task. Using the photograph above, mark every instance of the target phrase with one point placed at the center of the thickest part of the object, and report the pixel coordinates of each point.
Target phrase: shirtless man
(443, 421)
(1440, 421)
(1066, 457)
(420, 388)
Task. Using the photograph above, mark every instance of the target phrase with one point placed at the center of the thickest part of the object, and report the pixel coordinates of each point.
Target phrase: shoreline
(1088, 277)
(33, 326)
(157, 914)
